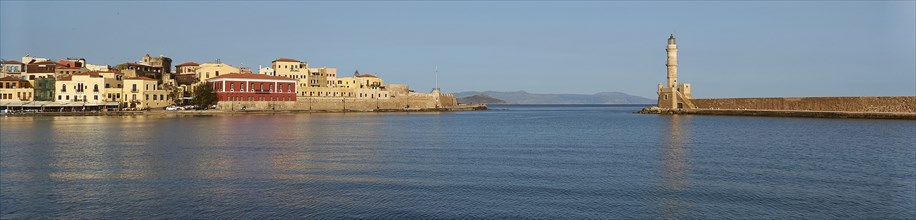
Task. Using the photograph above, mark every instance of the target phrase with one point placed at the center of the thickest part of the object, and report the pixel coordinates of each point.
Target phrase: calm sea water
(546, 162)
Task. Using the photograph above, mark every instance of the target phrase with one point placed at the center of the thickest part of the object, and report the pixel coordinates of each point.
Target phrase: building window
(96, 97)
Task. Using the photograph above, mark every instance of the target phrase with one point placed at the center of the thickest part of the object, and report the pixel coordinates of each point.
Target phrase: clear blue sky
(727, 48)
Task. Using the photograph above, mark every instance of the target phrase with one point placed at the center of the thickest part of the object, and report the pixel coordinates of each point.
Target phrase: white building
(266, 71)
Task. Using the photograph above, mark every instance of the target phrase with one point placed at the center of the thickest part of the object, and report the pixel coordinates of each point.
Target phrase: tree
(176, 96)
(203, 95)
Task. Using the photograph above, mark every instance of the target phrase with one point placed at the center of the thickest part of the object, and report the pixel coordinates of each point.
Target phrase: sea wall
(338, 104)
(904, 104)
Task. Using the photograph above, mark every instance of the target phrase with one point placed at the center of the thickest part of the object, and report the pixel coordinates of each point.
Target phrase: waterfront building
(292, 68)
(253, 87)
(185, 73)
(365, 86)
(144, 93)
(114, 85)
(210, 70)
(44, 88)
(15, 89)
(674, 94)
(81, 87)
(322, 77)
(12, 68)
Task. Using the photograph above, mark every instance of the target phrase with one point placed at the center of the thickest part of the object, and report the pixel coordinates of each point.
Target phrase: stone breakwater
(902, 107)
(898, 104)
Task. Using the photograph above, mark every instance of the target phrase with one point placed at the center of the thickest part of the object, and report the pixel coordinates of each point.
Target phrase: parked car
(172, 108)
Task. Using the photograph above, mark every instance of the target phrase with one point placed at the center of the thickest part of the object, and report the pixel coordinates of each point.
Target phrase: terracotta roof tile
(188, 64)
(10, 78)
(12, 62)
(367, 75)
(286, 60)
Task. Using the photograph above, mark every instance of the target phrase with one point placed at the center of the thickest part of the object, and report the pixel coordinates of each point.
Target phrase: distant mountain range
(522, 97)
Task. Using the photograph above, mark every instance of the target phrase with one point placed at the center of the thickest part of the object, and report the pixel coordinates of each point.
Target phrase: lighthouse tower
(672, 61)
(674, 94)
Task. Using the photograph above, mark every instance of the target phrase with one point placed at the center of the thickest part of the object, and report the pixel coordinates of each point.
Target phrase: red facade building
(253, 87)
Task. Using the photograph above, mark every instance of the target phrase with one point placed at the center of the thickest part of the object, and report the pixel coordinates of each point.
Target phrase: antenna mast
(437, 77)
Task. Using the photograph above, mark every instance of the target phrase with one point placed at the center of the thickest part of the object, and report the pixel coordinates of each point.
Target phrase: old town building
(15, 89)
(253, 87)
(144, 93)
(12, 68)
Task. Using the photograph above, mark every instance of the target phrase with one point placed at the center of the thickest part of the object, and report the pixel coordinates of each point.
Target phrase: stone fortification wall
(336, 104)
(847, 104)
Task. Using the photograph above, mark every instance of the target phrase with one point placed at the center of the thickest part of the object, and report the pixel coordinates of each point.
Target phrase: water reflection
(675, 166)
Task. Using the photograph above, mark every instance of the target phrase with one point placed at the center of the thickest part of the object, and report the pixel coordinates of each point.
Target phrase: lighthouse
(672, 61)
(674, 94)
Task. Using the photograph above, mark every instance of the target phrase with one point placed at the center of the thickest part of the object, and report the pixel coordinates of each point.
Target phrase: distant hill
(522, 97)
(480, 99)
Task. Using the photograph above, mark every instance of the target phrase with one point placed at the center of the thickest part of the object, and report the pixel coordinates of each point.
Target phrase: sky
(726, 48)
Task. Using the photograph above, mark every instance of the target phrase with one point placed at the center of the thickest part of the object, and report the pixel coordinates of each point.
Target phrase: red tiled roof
(188, 64)
(70, 77)
(45, 62)
(367, 75)
(11, 62)
(140, 77)
(286, 60)
(93, 74)
(10, 78)
(250, 76)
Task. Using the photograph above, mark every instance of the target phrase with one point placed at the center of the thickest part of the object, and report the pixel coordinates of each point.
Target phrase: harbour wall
(410, 102)
(892, 104)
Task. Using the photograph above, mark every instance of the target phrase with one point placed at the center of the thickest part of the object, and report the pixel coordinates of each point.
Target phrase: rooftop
(140, 78)
(11, 78)
(188, 64)
(45, 62)
(250, 76)
(286, 60)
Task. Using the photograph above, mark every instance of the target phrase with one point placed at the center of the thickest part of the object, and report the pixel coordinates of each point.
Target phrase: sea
(510, 162)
